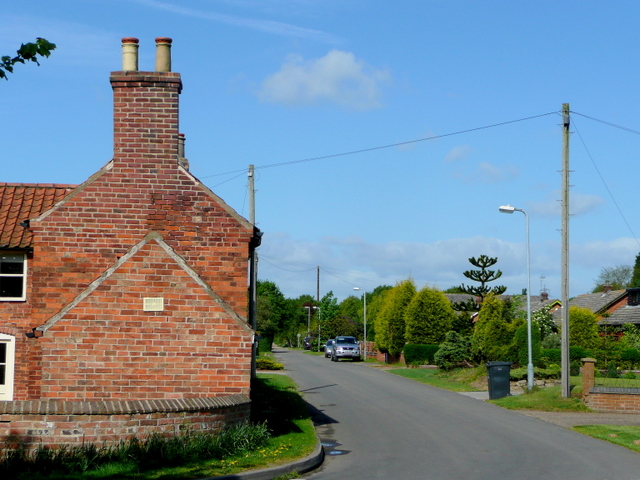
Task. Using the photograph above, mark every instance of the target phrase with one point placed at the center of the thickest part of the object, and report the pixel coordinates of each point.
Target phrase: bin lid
(499, 364)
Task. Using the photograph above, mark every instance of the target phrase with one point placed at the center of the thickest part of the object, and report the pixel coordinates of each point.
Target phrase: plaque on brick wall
(153, 304)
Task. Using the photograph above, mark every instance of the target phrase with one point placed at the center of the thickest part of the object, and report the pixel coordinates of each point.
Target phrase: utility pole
(318, 283)
(253, 269)
(564, 338)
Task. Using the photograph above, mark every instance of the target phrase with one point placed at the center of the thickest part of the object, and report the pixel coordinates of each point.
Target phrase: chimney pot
(163, 54)
(130, 54)
(181, 158)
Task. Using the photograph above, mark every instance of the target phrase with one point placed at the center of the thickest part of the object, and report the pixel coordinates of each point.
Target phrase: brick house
(123, 300)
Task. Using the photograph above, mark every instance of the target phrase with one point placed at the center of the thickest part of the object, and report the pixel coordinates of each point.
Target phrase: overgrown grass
(458, 380)
(276, 407)
(624, 435)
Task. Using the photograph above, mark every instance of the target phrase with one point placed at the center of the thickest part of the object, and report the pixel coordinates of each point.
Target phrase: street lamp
(309, 321)
(319, 318)
(509, 209)
(364, 297)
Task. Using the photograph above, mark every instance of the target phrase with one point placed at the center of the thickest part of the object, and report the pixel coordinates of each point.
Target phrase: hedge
(419, 354)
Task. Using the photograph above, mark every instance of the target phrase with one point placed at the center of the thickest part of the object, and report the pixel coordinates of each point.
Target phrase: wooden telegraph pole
(564, 339)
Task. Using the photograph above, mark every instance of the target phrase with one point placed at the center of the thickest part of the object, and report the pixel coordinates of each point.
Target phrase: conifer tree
(428, 317)
(390, 325)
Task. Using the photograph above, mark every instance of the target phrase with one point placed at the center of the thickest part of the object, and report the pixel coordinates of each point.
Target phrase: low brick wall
(56, 422)
(607, 399)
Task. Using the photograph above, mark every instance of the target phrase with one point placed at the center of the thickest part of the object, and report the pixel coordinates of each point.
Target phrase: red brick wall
(613, 402)
(601, 399)
(107, 347)
(104, 346)
(76, 423)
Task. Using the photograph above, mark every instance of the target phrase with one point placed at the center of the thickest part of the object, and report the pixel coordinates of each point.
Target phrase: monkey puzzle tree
(482, 276)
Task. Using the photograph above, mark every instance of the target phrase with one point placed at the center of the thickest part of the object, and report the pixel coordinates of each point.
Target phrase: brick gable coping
(119, 407)
(155, 237)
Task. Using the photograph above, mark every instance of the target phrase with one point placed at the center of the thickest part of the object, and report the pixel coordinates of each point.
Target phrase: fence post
(588, 375)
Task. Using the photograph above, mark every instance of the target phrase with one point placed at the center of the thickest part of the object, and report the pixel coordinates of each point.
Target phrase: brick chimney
(544, 296)
(145, 109)
(607, 288)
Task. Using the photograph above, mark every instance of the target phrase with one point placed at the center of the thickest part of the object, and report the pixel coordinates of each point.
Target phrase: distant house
(537, 301)
(123, 300)
(612, 307)
(627, 310)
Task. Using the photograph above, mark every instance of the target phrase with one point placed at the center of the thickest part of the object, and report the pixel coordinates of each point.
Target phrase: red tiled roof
(24, 201)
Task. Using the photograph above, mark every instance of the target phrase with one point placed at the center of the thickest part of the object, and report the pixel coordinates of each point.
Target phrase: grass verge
(275, 402)
(458, 380)
(623, 435)
(548, 399)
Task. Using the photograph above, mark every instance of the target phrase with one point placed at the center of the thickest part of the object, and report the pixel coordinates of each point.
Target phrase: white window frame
(6, 389)
(23, 275)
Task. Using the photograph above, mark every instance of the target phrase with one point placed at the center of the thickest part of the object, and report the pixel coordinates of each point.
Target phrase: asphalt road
(378, 425)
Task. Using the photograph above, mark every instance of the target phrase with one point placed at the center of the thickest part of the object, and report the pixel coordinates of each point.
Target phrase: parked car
(307, 343)
(345, 347)
(328, 348)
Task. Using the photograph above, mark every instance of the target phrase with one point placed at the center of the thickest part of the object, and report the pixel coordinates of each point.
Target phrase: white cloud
(338, 77)
(486, 173)
(579, 204)
(459, 153)
(352, 261)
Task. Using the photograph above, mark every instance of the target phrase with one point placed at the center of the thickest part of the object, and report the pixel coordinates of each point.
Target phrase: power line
(392, 145)
(630, 130)
(603, 180)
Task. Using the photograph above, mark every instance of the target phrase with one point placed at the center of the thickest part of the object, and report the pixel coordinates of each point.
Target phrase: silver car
(328, 348)
(345, 347)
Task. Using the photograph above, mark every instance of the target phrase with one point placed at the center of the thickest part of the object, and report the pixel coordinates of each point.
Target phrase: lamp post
(319, 318)
(364, 298)
(509, 209)
(309, 321)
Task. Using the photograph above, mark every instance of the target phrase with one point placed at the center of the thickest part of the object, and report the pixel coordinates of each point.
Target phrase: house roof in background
(20, 202)
(626, 314)
(598, 302)
(537, 301)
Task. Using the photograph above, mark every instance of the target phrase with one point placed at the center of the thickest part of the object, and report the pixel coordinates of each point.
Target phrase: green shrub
(630, 358)
(554, 355)
(522, 344)
(612, 371)
(265, 363)
(551, 356)
(420, 354)
(264, 344)
(552, 372)
(454, 352)
(574, 368)
(578, 353)
(630, 375)
(552, 340)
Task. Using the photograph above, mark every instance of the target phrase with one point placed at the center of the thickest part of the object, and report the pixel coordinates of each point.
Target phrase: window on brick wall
(13, 276)
(7, 358)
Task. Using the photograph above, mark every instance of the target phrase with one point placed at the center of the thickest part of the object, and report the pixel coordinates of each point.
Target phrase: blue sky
(295, 86)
